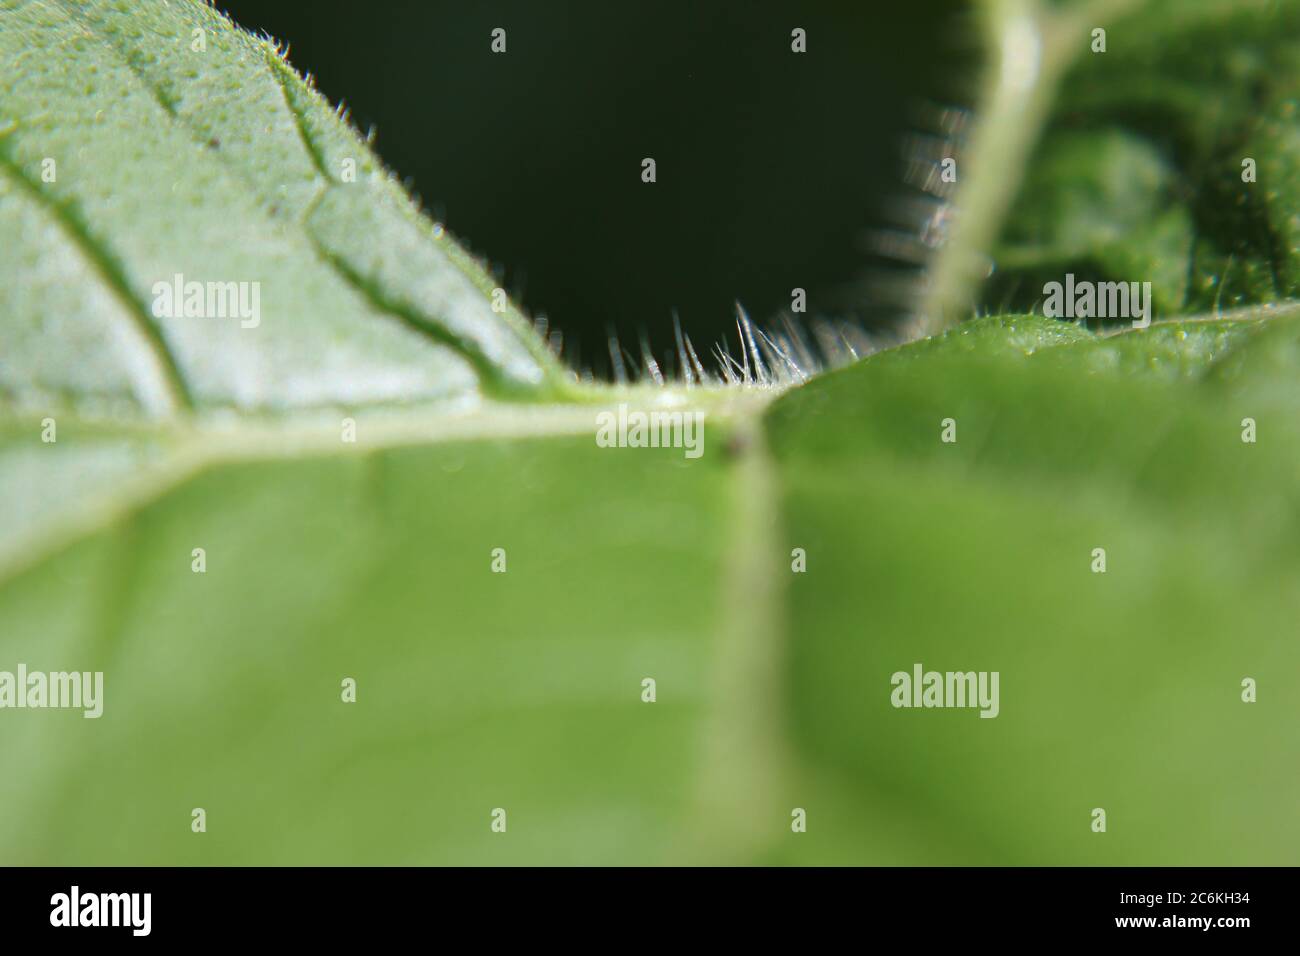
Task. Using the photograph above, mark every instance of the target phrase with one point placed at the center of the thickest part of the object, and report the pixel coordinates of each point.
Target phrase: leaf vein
(106, 263)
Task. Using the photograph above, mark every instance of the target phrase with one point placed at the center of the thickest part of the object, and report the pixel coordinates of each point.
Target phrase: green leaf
(183, 146)
(1139, 174)
(1127, 164)
(1118, 690)
(128, 441)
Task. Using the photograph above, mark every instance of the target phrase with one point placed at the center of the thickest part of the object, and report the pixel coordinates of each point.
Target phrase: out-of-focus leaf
(1119, 690)
(1138, 175)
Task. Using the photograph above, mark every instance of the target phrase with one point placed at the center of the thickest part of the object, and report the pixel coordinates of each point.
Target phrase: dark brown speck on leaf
(737, 444)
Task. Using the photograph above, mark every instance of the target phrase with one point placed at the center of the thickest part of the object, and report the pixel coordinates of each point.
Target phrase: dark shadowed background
(772, 166)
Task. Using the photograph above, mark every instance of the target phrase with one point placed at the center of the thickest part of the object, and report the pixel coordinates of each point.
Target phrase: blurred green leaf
(1138, 174)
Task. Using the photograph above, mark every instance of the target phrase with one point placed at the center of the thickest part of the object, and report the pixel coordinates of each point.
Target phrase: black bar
(370, 905)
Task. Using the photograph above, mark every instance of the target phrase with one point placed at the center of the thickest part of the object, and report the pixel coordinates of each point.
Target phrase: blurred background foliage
(1139, 174)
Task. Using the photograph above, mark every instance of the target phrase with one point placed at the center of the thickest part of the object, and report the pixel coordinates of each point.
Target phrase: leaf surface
(372, 559)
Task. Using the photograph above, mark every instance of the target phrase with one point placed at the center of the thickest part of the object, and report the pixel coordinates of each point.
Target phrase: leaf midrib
(192, 447)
